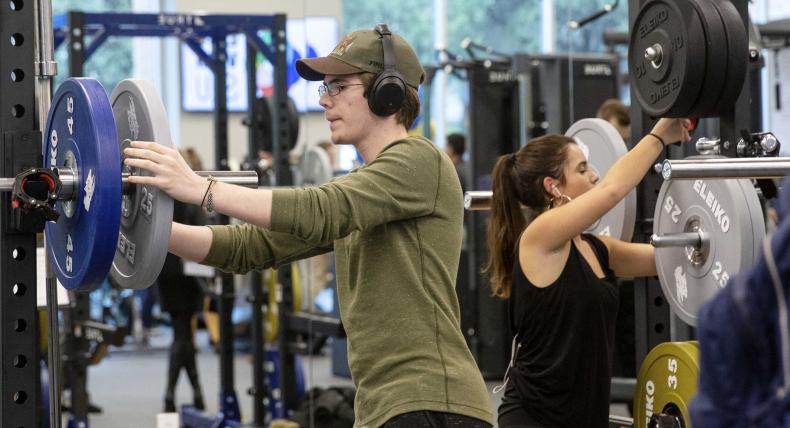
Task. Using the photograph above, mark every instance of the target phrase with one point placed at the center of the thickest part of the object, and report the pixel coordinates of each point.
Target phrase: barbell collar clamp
(684, 239)
(769, 143)
(708, 146)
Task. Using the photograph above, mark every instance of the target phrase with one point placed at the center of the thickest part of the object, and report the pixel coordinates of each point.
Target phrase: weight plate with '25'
(727, 214)
(146, 211)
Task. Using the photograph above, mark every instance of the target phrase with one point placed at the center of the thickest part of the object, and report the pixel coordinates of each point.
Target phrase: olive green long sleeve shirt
(395, 225)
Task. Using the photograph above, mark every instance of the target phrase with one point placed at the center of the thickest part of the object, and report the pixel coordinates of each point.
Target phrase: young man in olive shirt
(395, 225)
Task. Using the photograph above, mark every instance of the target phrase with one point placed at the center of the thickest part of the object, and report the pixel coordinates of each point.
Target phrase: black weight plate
(737, 55)
(262, 110)
(716, 46)
(671, 87)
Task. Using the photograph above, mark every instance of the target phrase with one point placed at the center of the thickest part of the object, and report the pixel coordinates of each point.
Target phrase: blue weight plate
(81, 134)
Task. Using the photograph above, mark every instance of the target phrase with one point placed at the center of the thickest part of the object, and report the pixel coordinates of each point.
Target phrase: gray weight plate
(603, 146)
(146, 212)
(316, 167)
(728, 213)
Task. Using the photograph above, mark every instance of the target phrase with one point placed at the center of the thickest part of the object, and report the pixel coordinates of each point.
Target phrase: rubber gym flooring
(129, 383)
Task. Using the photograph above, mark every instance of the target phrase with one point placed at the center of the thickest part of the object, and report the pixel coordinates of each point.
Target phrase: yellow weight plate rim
(271, 326)
(667, 380)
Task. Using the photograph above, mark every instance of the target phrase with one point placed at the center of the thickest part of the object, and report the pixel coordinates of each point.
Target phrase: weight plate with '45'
(728, 217)
(80, 134)
(146, 212)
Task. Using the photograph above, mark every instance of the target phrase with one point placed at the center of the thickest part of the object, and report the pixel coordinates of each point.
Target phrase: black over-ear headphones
(388, 91)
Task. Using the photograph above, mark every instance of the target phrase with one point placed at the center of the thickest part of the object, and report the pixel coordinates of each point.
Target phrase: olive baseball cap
(362, 51)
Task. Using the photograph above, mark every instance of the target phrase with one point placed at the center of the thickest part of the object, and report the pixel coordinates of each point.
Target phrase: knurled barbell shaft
(721, 168)
(684, 239)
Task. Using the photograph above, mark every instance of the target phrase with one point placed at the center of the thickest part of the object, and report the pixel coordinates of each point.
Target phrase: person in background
(616, 113)
(455, 148)
(181, 297)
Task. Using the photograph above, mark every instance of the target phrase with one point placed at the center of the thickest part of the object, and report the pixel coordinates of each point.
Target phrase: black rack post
(493, 131)
(258, 391)
(219, 46)
(76, 43)
(228, 399)
(21, 148)
(283, 177)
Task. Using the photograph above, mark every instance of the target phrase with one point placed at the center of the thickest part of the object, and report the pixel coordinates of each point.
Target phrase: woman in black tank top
(559, 281)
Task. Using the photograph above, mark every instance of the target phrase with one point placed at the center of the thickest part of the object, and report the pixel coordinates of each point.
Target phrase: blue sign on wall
(309, 37)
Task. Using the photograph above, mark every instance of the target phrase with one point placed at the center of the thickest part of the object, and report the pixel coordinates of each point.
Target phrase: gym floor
(129, 383)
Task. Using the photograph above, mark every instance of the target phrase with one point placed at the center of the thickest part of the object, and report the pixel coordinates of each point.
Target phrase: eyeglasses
(334, 88)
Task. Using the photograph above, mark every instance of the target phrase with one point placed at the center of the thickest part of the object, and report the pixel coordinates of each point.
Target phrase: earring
(558, 199)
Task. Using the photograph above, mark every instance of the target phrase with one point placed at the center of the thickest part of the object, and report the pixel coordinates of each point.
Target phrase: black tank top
(562, 371)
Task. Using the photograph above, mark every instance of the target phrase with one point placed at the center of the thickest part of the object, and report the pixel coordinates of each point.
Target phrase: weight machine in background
(27, 24)
(191, 29)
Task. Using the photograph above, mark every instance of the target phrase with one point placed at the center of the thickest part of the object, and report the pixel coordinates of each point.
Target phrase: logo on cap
(343, 46)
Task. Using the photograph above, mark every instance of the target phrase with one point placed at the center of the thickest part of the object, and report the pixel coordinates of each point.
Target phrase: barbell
(99, 222)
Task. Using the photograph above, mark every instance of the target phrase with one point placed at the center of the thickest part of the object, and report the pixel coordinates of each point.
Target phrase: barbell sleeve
(726, 160)
(239, 178)
(725, 168)
(685, 239)
(478, 200)
(7, 184)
